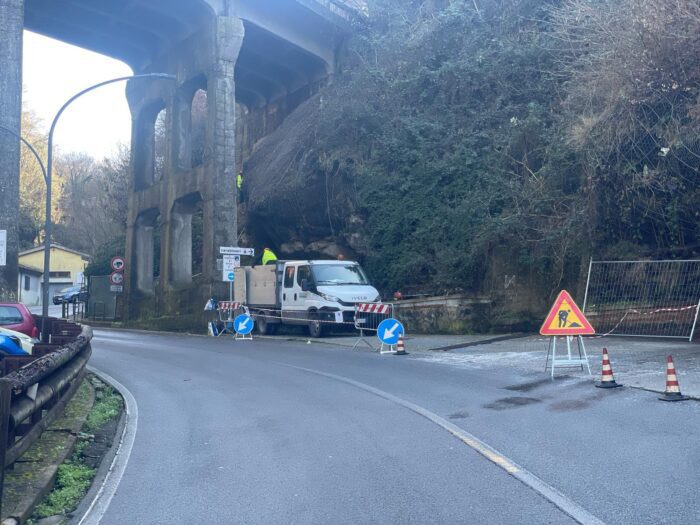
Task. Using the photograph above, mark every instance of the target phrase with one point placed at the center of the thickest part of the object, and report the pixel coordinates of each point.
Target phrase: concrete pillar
(222, 228)
(143, 255)
(181, 246)
(11, 26)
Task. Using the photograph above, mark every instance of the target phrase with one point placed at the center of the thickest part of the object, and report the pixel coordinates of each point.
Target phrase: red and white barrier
(373, 308)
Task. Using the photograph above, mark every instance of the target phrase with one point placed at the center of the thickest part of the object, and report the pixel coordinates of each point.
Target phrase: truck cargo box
(255, 285)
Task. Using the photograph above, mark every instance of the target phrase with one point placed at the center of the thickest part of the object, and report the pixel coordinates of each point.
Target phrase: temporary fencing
(228, 310)
(367, 318)
(643, 298)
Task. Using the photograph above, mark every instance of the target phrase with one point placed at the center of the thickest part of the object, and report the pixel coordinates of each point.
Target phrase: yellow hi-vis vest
(268, 255)
(239, 181)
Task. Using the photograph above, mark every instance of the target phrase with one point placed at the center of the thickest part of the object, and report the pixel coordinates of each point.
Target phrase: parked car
(72, 294)
(25, 342)
(16, 316)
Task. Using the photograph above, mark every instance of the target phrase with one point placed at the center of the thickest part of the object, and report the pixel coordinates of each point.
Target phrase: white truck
(319, 294)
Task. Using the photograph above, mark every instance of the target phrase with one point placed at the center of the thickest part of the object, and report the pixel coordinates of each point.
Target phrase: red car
(16, 316)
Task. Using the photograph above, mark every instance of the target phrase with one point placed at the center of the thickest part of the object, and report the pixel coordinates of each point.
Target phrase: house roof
(54, 246)
(29, 269)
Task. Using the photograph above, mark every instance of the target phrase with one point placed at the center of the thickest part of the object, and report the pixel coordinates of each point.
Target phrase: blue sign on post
(243, 324)
(389, 331)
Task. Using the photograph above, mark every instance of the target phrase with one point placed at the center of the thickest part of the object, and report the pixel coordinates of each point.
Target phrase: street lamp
(47, 179)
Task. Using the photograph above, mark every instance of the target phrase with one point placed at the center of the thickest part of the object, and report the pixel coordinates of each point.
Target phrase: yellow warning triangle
(566, 318)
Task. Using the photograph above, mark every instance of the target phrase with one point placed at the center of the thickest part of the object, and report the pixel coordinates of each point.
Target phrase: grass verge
(76, 474)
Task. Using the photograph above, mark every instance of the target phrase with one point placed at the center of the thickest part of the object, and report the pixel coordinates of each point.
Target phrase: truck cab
(321, 294)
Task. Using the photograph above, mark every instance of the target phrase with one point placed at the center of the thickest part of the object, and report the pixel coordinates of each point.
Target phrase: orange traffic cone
(673, 388)
(400, 350)
(608, 379)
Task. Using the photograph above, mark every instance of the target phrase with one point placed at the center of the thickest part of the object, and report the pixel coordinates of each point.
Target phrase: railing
(347, 9)
(34, 390)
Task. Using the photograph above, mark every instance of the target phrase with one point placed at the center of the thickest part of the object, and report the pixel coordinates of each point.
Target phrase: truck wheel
(265, 327)
(316, 328)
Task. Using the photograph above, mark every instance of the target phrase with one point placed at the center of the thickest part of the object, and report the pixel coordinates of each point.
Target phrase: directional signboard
(228, 276)
(243, 324)
(118, 264)
(389, 331)
(565, 318)
(230, 262)
(116, 278)
(235, 250)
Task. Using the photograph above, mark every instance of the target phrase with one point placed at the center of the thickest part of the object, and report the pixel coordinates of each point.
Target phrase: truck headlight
(331, 298)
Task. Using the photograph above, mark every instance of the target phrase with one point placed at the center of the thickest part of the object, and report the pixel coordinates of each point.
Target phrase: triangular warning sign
(565, 318)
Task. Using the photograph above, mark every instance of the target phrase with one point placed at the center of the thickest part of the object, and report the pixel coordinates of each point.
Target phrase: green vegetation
(75, 476)
(108, 405)
(468, 140)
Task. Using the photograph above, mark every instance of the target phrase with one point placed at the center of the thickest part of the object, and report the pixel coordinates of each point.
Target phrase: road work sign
(566, 318)
(243, 324)
(389, 331)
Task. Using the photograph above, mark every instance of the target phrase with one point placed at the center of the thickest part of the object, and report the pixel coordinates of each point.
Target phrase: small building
(29, 286)
(67, 268)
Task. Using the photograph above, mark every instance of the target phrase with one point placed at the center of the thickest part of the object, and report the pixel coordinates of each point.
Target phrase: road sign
(243, 324)
(118, 264)
(116, 288)
(230, 262)
(116, 278)
(235, 250)
(389, 331)
(565, 318)
(228, 277)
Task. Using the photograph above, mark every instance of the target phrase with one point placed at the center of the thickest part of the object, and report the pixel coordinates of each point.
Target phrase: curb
(96, 502)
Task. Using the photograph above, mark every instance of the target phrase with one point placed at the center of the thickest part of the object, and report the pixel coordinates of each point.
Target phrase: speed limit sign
(118, 264)
(116, 278)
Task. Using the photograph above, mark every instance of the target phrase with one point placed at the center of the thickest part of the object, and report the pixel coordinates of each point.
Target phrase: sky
(53, 72)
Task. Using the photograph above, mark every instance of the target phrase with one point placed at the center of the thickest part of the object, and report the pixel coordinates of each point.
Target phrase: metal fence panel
(643, 298)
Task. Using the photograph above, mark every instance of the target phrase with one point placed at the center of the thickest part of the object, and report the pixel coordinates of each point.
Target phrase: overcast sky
(54, 72)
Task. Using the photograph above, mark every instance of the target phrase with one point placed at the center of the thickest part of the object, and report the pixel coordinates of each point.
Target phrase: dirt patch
(463, 414)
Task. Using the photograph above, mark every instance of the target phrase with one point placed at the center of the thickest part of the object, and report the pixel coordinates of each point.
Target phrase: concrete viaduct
(255, 60)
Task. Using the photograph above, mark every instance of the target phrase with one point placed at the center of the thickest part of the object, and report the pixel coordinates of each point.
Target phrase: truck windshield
(339, 274)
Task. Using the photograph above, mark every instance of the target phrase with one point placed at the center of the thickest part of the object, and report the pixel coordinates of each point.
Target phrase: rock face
(296, 202)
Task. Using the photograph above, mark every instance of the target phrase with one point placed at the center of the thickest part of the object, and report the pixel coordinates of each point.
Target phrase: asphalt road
(232, 432)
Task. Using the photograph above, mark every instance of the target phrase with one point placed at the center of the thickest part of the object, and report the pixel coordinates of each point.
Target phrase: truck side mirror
(306, 285)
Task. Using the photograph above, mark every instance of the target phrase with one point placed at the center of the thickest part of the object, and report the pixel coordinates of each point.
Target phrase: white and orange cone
(400, 350)
(673, 388)
(607, 379)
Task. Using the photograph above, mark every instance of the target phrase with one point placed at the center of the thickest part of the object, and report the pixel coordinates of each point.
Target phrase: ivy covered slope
(465, 140)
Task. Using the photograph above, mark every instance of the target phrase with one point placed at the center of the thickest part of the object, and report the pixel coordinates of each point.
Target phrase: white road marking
(566, 505)
(99, 505)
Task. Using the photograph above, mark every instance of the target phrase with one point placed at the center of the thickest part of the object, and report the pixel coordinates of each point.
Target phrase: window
(27, 282)
(339, 274)
(303, 273)
(10, 315)
(289, 277)
(60, 274)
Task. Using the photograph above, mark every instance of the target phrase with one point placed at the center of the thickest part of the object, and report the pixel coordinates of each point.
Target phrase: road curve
(238, 432)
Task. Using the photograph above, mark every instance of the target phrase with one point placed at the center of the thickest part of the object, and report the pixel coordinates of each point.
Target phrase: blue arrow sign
(243, 324)
(389, 331)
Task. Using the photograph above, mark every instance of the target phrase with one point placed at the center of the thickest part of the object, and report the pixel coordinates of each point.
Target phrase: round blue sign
(243, 324)
(389, 331)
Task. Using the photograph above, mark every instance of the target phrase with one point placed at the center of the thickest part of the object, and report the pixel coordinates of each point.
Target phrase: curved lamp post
(47, 178)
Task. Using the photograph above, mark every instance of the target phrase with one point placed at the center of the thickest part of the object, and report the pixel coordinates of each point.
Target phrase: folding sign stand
(569, 360)
(391, 349)
(243, 337)
(362, 340)
(565, 319)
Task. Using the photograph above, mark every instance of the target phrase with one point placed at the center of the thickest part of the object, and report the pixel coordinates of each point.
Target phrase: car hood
(350, 293)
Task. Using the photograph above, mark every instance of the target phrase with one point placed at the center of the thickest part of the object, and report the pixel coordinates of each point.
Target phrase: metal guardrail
(34, 390)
